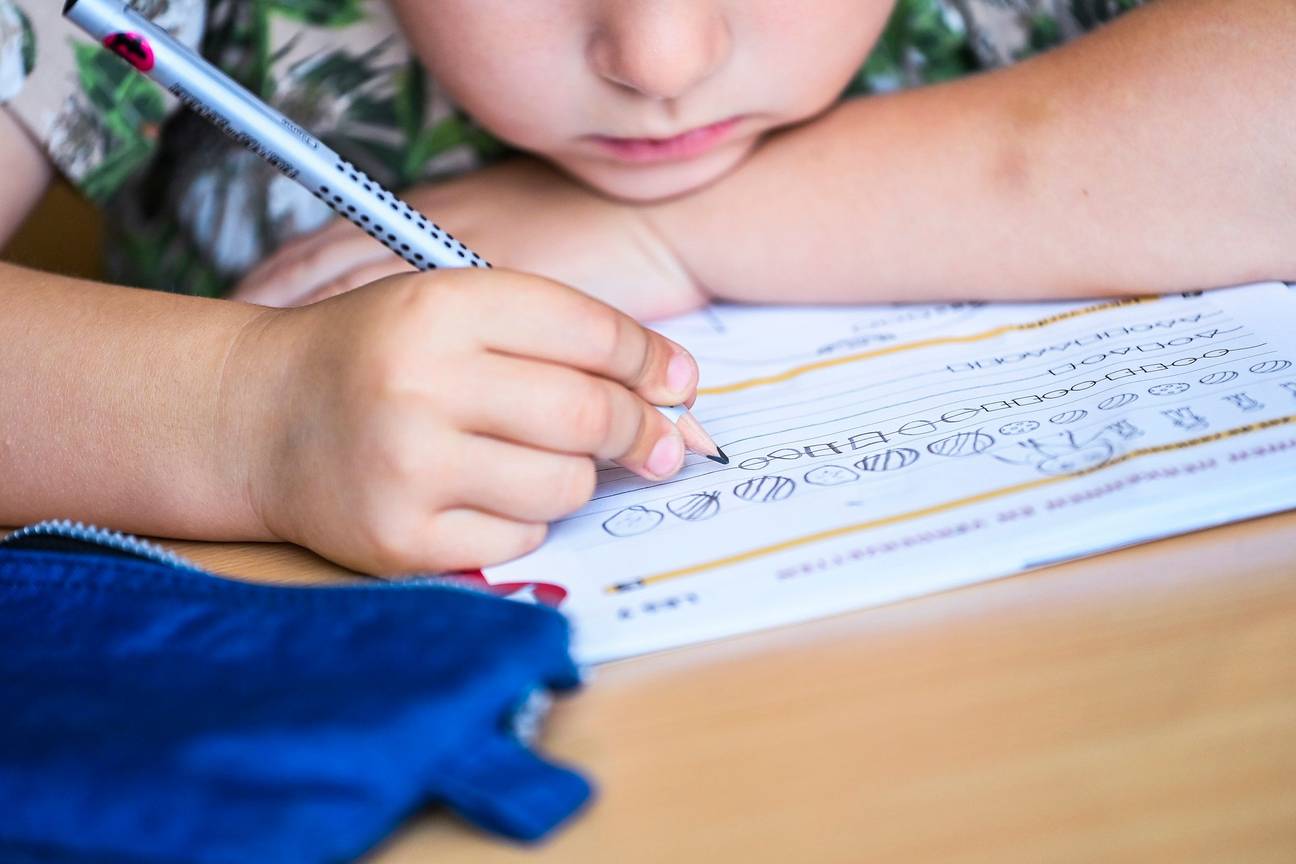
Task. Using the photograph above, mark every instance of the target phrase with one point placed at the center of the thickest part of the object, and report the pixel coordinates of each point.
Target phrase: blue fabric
(152, 713)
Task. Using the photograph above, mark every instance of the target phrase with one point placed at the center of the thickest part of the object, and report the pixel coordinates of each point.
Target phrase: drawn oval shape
(1019, 427)
(1218, 377)
(1120, 400)
(696, 507)
(830, 475)
(962, 444)
(1069, 417)
(632, 521)
(764, 490)
(888, 460)
(1168, 389)
(1271, 366)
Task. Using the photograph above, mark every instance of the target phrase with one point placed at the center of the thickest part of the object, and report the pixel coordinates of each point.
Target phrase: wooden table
(1139, 706)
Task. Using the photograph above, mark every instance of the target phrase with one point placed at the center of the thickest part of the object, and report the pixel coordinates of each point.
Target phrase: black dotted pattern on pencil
(402, 211)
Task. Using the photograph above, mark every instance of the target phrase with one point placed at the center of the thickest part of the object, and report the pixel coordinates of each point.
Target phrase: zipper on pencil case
(65, 535)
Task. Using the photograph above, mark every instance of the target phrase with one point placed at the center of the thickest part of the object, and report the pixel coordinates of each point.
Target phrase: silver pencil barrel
(269, 134)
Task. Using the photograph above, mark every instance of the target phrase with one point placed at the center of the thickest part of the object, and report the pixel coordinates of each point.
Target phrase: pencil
(299, 155)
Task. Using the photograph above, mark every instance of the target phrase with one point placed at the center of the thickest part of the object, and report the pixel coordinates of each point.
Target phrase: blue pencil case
(153, 712)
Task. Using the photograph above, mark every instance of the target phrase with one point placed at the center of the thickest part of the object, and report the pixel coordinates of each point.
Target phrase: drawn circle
(1019, 427)
(1271, 366)
(632, 520)
(765, 489)
(962, 444)
(696, 507)
(1069, 416)
(1167, 389)
(1218, 377)
(830, 475)
(888, 460)
(1120, 400)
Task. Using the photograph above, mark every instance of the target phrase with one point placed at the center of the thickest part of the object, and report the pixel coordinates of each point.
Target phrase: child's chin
(643, 184)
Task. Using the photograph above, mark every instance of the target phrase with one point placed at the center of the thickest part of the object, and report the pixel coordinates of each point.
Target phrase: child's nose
(659, 49)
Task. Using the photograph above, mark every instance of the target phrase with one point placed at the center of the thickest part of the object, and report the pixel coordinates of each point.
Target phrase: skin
(625, 68)
(640, 68)
(1153, 156)
(416, 423)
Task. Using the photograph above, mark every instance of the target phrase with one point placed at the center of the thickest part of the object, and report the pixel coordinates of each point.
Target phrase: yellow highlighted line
(797, 371)
(773, 548)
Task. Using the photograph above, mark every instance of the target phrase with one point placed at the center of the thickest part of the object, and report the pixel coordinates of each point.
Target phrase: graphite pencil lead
(719, 457)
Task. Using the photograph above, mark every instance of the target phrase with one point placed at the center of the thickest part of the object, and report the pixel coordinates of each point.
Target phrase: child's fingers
(390, 265)
(555, 407)
(533, 317)
(463, 539)
(302, 266)
(521, 483)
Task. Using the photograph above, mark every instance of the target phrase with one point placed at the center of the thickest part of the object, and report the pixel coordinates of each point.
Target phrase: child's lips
(686, 145)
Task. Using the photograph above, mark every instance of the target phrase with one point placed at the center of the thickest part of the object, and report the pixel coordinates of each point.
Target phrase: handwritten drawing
(889, 460)
(1186, 418)
(1019, 427)
(661, 604)
(633, 521)
(1069, 417)
(1172, 389)
(1218, 377)
(696, 507)
(1061, 453)
(1120, 400)
(830, 475)
(1289, 386)
(1124, 430)
(962, 444)
(764, 490)
(1269, 366)
(1243, 402)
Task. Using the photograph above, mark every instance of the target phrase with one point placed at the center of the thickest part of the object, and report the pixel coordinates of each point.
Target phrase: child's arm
(424, 422)
(1154, 155)
(27, 175)
(521, 214)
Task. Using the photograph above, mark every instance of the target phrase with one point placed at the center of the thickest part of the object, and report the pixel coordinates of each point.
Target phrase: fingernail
(679, 373)
(666, 456)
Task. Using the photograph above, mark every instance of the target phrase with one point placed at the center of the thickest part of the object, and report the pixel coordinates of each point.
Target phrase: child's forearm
(118, 408)
(1155, 155)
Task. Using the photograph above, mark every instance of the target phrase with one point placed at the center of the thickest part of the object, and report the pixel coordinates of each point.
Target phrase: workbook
(885, 452)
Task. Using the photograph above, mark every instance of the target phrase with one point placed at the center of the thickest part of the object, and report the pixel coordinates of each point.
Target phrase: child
(686, 149)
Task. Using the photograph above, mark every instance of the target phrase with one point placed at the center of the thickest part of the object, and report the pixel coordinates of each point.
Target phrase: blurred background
(46, 241)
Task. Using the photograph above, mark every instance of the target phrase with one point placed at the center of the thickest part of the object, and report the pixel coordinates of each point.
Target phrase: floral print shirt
(189, 210)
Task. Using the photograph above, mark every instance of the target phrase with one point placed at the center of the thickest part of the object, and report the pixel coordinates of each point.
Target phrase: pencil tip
(719, 457)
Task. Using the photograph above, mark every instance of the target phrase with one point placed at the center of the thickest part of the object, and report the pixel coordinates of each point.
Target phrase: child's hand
(438, 421)
(522, 215)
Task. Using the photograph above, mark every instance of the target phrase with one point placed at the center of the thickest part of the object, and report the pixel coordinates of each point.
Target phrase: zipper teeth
(74, 530)
(103, 537)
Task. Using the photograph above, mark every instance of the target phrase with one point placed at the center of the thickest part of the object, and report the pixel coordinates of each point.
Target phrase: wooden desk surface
(1139, 707)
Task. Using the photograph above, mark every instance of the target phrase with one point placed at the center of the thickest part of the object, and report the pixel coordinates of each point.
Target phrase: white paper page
(880, 453)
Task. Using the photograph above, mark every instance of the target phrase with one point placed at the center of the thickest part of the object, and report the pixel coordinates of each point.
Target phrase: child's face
(641, 99)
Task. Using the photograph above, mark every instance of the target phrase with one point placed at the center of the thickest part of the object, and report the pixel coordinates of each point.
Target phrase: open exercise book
(880, 453)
